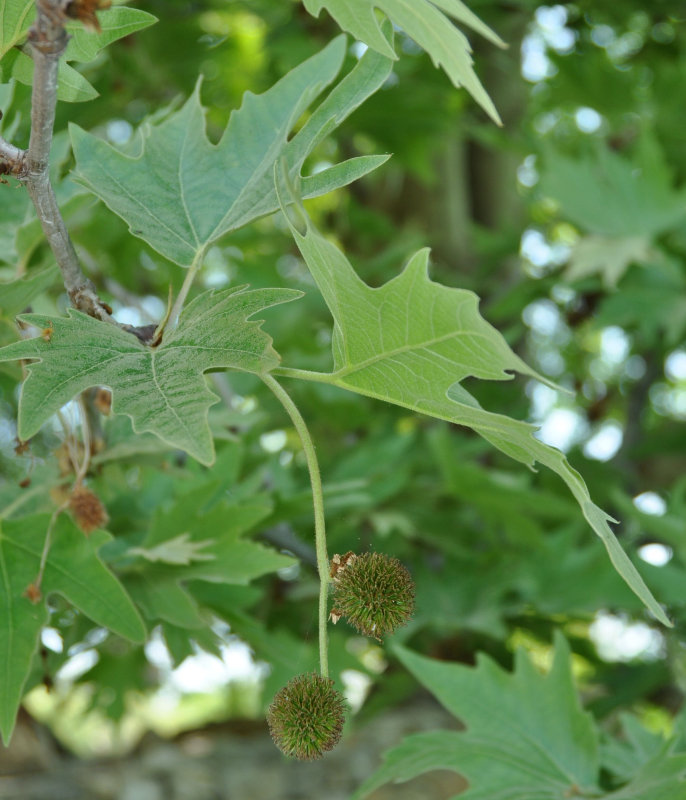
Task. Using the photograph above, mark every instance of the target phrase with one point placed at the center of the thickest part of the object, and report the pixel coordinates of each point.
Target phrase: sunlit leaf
(428, 23)
(412, 342)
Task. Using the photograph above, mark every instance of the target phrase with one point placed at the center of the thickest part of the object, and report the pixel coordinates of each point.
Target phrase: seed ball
(375, 593)
(306, 717)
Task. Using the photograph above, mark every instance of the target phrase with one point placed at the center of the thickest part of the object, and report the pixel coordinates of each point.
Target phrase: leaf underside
(412, 341)
(180, 192)
(428, 23)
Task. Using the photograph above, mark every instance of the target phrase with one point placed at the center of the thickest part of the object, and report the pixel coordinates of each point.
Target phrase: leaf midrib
(389, 354)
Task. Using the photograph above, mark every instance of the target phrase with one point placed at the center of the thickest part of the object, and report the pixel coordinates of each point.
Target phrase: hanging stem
(80, 471)
(319, 523)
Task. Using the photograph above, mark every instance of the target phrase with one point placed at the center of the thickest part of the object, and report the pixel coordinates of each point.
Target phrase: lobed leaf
(16, 16)
(162, 389)
(181, 192)
(74, 570)
(412, 341)
(526, 737)
(428, 23)
(222, 554)
(608, 195)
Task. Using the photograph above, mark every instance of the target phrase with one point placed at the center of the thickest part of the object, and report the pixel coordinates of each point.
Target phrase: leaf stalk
(319, 520)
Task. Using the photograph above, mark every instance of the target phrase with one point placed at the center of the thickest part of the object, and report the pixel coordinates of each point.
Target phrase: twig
(12, 159)
(80, 470)
(48, 39)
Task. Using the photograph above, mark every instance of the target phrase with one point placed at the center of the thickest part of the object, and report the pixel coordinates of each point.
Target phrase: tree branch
(48, 40)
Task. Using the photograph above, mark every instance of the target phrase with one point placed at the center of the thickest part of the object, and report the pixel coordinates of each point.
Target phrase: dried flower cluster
(85, 10)
(87, 508)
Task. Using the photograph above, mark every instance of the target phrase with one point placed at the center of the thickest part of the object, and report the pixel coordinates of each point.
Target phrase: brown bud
(21, 447)
(84, 10)
(33, 593)
(103, 401)
(87, 508)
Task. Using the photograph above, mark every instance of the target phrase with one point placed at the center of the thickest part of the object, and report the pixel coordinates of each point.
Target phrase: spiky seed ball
(306, 717)
(88, 510)
(375, 593)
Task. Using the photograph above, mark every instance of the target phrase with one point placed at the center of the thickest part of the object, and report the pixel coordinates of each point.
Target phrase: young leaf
(427, 22)
(607, 256)
(74, 570)
(526, 736)
(17, 16)
(162, 389)
(181, 192)
(412, 341)
(178, 550)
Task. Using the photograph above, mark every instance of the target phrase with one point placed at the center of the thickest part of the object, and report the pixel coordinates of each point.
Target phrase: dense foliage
(272, 227)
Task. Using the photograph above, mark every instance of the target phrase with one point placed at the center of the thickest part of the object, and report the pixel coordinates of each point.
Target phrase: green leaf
(162, 389)
(73, 570)
(526, 736)
(661, 778)
(16, 16)
(16, 295)
(181, 192)
(83, 46)
(426, 22)
(411, 342)
(525, 732)
(161, 598)
(227, 556)
(178, 550)
(609, 195)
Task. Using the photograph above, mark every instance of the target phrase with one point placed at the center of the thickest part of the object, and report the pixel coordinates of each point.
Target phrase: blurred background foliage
(570, 224)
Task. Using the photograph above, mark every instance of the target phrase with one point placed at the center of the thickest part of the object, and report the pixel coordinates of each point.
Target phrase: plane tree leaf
(162, 598)
(161, 388)
(526, 736)
(180, 192)
(15, 61)
(74, 570)
(428, 23)
(223, 554)
(609, 195)
(412, 341)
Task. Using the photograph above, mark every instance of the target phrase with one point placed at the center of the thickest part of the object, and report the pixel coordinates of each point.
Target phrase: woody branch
(48, 40)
